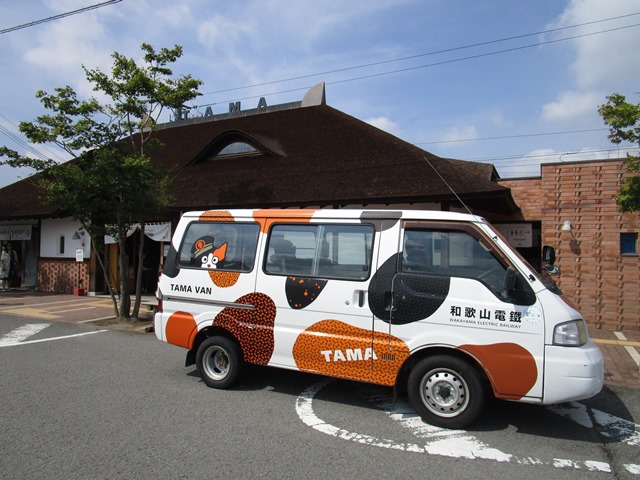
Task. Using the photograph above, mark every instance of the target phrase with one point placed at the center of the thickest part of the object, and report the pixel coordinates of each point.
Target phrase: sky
(512, 83)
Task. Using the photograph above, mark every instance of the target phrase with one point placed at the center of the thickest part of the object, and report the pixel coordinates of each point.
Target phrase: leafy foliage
(623, 119)
(110, 184)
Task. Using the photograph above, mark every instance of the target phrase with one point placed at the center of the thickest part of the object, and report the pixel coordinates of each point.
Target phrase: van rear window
(228, 246)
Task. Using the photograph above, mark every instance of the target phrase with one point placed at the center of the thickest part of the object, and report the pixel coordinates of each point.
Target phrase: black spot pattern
(301, 291)
(417, 296)
(380, 288)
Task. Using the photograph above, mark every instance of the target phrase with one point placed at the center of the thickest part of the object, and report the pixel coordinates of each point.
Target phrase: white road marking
(13, 307)
(74, 309)
(22, 333)
(632, 468)
(615, 428)
(19, 335)
(630, 350)
(455, 443)
(97, 319)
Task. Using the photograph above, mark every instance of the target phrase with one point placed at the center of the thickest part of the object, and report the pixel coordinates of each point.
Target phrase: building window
(61, 245)
(628, 244)
(237, 148)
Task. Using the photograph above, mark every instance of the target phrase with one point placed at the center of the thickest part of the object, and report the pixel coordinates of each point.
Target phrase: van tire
(446, 391)
(219, 362)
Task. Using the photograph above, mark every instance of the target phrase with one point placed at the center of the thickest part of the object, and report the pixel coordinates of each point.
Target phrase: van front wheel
(219, 361)
(446, 391)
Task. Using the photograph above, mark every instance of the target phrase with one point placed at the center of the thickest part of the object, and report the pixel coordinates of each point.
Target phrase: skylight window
(237, 148)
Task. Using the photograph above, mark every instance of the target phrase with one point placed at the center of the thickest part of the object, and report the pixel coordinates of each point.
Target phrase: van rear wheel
(446, 391)
(219, 362)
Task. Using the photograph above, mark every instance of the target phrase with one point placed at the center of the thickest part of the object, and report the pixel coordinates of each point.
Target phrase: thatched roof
(305, 156)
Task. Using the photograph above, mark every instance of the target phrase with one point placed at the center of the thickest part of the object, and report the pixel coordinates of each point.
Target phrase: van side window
(454, 254)
(314, 250)
(228, 246)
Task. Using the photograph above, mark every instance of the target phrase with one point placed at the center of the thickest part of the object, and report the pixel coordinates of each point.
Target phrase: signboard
(519, 235)
(15, 232)
(79, 254)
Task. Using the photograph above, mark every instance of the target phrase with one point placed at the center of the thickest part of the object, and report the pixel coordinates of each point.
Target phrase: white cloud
(609, 58)
(384, 123)
(457, 134)
(572, 106)
(603, 64)
(65, 46)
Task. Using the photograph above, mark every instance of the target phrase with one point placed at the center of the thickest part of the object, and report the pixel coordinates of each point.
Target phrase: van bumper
(572, 373)
(157, 326)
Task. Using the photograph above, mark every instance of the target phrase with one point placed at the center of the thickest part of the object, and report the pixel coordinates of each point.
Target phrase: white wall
(52, 229)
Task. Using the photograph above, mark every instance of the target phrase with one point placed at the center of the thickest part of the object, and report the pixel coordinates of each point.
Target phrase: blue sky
(484, 81)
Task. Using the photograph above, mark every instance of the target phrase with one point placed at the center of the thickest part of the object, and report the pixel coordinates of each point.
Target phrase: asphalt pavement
(621, 350)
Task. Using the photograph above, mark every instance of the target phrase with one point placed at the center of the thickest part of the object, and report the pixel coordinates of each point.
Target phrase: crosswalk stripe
(19, 335)
(22, 333)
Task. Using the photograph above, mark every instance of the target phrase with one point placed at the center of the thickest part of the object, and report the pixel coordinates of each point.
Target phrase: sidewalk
(66, 308)
(621, 350)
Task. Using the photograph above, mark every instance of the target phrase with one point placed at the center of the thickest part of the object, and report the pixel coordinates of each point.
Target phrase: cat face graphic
(206, 255)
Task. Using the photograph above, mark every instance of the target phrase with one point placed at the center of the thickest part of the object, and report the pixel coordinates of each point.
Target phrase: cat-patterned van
(434, 303)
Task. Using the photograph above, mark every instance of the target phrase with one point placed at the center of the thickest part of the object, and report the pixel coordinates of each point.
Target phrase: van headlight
(570, 334)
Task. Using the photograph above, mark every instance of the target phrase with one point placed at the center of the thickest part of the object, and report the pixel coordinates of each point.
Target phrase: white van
(434, 302)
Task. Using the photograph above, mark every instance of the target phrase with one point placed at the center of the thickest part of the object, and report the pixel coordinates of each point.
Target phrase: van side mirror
(516, 288)
(549, 258)
(510, 279)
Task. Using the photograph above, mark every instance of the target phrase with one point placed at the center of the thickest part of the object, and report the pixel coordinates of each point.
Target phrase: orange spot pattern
(216, 216)
(267, 217)
(334, 335)
(223, 279)
(511, 368)
(180, 329)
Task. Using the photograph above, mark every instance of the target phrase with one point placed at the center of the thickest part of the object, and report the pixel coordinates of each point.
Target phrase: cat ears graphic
(202, 246)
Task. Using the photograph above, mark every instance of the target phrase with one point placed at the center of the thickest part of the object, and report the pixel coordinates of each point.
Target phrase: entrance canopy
(159, 232)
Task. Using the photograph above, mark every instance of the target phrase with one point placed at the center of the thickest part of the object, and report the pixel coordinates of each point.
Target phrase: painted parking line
(9, 307)
(628, 346)
(459, 443)
(56, 310)
(19, 335)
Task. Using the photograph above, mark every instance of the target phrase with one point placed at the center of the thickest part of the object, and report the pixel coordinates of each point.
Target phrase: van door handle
(360, 297)
(390, 304)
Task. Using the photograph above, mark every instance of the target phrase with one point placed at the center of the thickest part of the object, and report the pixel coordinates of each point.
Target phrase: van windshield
(543, 277)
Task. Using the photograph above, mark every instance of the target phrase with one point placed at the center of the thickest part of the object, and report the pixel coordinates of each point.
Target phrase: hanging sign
(15, 232)
(519, 235)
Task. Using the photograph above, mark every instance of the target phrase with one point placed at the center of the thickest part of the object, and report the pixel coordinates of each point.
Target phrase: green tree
(623, 119)
(110, 184)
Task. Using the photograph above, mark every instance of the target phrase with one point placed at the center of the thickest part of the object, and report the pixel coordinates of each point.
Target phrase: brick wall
(593, 274)
(62, 275)
(528, 195)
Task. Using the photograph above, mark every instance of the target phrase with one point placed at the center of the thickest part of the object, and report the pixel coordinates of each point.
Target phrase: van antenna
(449, 187)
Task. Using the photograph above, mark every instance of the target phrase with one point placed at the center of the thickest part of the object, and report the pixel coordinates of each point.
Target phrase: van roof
(344, 213)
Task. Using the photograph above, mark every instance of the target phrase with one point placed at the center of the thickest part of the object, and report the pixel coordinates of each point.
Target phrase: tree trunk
(136, 304)
(123, 266)
(104, 265)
